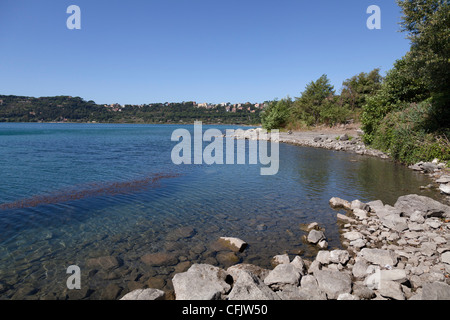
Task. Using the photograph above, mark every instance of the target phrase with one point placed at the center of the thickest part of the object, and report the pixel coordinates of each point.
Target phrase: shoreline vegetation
(405, 113)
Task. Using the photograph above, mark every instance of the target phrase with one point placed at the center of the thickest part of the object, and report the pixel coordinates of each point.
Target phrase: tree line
(75, 109)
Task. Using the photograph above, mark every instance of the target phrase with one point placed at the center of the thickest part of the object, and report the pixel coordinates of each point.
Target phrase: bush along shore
(389, 252)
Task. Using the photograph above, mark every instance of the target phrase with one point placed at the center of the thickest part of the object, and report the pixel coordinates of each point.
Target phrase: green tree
(399, 87)
(276, 114)
(356, 89)
(307, 107)
(427, 23)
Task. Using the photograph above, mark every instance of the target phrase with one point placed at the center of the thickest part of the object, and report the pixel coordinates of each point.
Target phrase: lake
(107, 198)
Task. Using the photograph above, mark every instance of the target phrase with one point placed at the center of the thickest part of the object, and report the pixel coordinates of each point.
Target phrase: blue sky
(182, 50)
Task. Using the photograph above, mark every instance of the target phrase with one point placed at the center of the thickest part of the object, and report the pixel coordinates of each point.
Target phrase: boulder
(249, 287)
(314, 236)
(352, 235)
(201, 282)
(395, 222)
(323, 256)
(299, 264)
(361, 214)
(235, 244)
(235, 271)
(144, 294)
(391, 289)
(436, 291)
(283, 275)
(379, 256)
(359, 269)
(445, 257)
(344, 218)
(309, 289)
(280, 259)
(333, 283)
(444, 179)
(426, 206)
(374, 205)
(356, 204)
(445, 188)
(339, 256)
(429, 167)
(336, 202)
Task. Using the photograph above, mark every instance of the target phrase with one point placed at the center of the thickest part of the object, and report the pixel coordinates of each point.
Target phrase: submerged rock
(234, 243)
(144, 294)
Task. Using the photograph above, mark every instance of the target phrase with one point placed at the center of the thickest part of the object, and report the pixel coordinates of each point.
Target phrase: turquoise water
(71, 193)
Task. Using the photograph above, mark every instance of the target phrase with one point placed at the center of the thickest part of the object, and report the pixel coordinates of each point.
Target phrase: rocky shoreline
(351, 142)
(399, 252)
(390, 252)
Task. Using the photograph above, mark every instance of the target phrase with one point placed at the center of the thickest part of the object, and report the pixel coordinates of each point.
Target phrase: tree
(307, 107)
(277, 113)
(400, 86)
(356, 89)
(428, 25)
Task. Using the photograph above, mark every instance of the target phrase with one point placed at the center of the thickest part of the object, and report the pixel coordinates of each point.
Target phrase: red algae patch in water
(90, 190)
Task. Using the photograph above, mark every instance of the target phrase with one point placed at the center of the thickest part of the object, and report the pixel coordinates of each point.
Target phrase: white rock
(281, 259)
(333, 283)
(236, 243)
(352, 235)
(445, 257)
(339, 256)
(336, 202)
(443, 179)
(250, 287)
(299, 264)
(358, 243)
(361, 214)
(445, 188)
(323, 256)
(356, 204)
(283, 275)
(379, 256)
(391, 289)
(201, 282)
(314, 236)
(343, 217)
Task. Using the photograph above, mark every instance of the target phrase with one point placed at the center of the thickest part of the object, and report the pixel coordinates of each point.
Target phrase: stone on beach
(428, 207)
(333, 283)
(314, 236)
(336, 202)
(379, 256)
(250, 287)
(201, 282)
(283, 275)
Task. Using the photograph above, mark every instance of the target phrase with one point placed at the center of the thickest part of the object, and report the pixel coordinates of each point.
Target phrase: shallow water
(71, 193)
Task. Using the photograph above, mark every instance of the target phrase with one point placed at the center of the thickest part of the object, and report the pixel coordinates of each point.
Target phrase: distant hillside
(75, 109)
